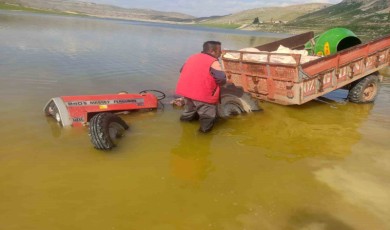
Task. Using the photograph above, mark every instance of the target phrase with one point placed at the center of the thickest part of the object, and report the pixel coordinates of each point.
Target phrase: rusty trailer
(297, 83)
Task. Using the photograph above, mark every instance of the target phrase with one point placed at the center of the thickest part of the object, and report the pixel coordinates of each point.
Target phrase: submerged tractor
(100, 113)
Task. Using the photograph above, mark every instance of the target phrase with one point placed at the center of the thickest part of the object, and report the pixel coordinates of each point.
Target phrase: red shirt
(196, 82)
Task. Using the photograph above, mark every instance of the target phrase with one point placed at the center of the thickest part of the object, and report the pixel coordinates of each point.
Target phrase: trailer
(354, 68)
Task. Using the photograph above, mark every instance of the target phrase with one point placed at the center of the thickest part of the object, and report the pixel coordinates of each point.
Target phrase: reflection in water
(362, 180)
(361, 189)
(190, 161)
(55, 127)
(313, 129)
(317, 221)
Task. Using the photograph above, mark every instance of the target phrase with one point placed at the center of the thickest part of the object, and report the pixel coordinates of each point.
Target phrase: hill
(371, 18)
(264, 15)
(367, 18)
(98, 10)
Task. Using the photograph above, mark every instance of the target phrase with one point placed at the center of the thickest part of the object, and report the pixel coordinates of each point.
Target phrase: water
(323, 165)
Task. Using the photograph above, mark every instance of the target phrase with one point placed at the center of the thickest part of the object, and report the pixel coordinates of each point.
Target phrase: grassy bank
(5, 6)
(223, 26)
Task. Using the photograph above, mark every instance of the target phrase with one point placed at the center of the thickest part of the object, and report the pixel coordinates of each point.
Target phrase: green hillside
(264, 15)
(368, 18)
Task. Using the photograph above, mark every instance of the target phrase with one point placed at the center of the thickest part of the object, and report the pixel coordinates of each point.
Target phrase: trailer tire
(105, 129)
(364, 90)
(234, 101)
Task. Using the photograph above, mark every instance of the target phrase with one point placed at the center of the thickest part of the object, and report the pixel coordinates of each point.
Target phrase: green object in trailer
(332, 41)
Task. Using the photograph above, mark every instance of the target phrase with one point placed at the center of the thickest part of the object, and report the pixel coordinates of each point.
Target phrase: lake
(323, 165)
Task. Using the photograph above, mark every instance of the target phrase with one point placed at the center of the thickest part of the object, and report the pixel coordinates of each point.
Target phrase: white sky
(201, 8)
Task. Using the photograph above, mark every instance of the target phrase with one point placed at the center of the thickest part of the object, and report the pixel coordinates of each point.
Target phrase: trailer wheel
(234, 101)
(364, 90)
(105, 129)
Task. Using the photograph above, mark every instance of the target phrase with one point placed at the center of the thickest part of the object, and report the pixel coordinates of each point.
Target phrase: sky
(205, 8)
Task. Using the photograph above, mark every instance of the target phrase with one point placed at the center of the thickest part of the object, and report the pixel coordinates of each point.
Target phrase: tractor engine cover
(78, 110)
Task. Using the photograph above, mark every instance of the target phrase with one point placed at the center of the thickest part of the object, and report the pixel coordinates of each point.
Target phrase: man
(199, 83)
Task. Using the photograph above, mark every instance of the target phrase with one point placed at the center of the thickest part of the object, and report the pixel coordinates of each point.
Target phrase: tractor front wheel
(105, 129)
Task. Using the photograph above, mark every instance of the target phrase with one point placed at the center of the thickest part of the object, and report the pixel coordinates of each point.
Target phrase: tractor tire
(234, 101)
(105, 129)
(364, 90)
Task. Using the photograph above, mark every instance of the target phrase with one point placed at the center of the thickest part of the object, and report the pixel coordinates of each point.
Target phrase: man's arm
(218, 74)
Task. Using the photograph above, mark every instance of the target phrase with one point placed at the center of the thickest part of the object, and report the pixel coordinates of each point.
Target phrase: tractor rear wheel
(234, 101)
(105, 129)
(364, 90)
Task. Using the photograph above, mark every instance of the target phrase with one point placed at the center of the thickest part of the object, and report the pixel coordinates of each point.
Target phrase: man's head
(213, 48)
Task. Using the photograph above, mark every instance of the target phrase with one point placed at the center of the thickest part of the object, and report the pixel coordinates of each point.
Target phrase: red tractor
(99, 112)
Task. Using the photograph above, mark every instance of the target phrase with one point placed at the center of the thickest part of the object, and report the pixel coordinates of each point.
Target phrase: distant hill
(266, 14)
(368, 17)
(100, 10)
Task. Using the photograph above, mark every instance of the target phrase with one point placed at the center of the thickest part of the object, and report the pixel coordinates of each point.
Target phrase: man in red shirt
(199, 83)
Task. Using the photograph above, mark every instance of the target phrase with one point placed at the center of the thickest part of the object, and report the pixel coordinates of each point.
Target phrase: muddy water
(323, 165)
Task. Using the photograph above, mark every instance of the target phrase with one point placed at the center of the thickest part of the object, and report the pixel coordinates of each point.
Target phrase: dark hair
(210, 46)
